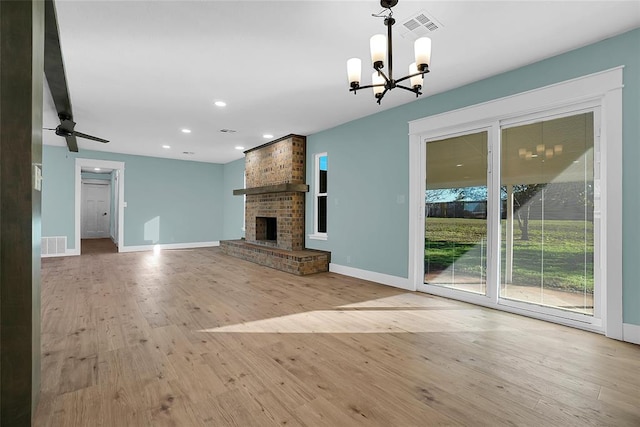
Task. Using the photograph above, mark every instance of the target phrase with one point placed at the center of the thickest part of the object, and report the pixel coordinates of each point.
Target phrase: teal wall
(368, 178)
(367, 189)
(233, 205)
(169, 201)
(58, 188)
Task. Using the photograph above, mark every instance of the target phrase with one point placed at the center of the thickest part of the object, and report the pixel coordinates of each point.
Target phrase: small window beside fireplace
(267, 228)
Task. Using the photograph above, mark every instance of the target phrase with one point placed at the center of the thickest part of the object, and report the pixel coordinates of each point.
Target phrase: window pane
(322, 164)
(322, 214)
(547, 226)
(456, 213)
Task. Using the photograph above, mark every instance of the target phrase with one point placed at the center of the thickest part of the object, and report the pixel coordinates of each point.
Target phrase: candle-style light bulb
(378, 44)
(377, 79)
(354, 71)
(416, 81)
(422, 48)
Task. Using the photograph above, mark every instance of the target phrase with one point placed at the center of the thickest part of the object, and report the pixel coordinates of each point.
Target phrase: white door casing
(96, 210)
(116, 198)
(119, 204)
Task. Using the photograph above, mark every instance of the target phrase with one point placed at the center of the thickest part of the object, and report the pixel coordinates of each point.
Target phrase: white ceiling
(140, 71)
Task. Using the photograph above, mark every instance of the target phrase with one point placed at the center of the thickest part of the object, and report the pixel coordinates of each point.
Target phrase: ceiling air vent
(228, 131)
(419, 24)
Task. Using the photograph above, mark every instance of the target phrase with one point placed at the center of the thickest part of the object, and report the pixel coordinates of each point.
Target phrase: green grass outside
(463, 241)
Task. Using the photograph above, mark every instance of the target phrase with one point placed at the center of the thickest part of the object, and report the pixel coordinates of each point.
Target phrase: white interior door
(95, 210)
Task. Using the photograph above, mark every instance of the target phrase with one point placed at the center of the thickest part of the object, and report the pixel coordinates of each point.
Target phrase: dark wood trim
(21, 85)
(278, 188)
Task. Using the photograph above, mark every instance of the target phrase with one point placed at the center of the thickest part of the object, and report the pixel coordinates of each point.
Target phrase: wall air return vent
(418, 25)
(53, 246)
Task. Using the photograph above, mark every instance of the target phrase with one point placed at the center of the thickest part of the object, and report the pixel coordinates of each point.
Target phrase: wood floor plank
(198, 338)
(307, 360)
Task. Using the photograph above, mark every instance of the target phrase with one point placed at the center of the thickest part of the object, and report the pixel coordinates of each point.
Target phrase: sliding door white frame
(600, 92)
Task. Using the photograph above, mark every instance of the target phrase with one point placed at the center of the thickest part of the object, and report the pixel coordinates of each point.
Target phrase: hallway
(97, 246)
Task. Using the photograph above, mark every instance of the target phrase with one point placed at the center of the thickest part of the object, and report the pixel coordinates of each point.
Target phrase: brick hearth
(303, 262)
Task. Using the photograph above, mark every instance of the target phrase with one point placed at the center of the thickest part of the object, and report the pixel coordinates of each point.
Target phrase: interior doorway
(96, 209)
(99, 205)
(96, 216)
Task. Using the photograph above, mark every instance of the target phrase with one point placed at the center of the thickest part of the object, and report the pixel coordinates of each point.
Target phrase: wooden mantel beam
(278, 188)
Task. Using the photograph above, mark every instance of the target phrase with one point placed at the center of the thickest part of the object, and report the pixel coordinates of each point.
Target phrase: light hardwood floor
(195, 338)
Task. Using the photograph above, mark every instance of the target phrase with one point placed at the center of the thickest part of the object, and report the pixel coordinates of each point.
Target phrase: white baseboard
(631, 333)
(372, 276)
(169, 246)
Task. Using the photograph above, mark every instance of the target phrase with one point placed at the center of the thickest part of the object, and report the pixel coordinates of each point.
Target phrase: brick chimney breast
(274, 209)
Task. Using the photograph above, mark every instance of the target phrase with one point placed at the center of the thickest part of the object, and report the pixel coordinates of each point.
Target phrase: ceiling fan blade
(72, 143)
(57, 80)
(85, 136)
(53, 64)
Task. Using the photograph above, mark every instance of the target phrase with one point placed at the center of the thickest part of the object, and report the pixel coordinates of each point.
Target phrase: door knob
(104, 214)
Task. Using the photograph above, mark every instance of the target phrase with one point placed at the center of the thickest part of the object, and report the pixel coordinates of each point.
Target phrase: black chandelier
(381, 82)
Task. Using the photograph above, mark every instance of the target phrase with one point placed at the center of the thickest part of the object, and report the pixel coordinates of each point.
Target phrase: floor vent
(54, 246)
(419, 25)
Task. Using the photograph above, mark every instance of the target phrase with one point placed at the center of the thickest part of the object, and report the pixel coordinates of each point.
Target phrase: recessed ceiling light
(220, 104)
(239, 148)
(96, 169)
(459, 165)
(267, 136)
(186, 130)
(166, 146)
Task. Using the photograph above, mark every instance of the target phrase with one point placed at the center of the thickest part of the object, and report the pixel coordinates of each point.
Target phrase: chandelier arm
(409, 76)
(382, 95)
(353, 89)
(416, 91)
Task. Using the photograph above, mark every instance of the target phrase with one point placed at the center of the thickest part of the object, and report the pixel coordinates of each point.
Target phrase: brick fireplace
(274, 209)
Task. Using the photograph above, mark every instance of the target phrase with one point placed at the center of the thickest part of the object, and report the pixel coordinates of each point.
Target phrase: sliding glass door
(547, 237)
(520, 233)
(455, 250)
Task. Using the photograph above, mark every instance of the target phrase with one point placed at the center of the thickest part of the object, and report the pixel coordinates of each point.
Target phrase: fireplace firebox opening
(266, 228)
